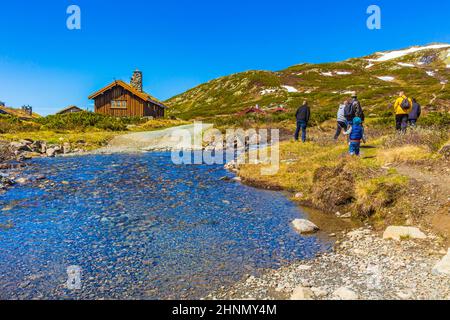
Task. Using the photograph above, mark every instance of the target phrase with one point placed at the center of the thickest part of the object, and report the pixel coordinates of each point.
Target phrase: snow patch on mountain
(343, 73)
(268, 91)
(387, 78)
(386, 56)
(409, 65)
(290, 89)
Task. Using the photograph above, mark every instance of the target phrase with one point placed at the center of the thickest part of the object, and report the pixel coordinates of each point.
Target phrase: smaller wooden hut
(70, 109)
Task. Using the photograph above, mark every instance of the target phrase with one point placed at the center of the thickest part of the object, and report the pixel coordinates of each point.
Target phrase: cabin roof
(68, 108)
(143, 95)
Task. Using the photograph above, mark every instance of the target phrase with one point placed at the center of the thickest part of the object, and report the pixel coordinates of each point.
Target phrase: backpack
(406, 104)
(349, 111)
(359, 112)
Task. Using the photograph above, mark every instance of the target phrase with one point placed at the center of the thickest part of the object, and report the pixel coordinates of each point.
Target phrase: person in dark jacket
(357, 108)
(303, 115)
(349, 112)
(415, 113)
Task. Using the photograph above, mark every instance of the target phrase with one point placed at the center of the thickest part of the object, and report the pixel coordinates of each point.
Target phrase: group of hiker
(350, 119)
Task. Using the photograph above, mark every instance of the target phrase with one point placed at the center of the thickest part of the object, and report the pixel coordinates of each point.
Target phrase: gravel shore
(362, 266)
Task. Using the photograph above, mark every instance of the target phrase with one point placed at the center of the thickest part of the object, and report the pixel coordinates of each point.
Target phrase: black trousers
(340, 126)
(401, 122)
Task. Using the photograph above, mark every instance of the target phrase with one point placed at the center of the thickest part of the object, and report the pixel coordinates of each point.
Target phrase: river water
(140, 227)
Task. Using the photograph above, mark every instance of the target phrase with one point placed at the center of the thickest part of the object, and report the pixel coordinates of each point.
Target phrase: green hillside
(423, 72)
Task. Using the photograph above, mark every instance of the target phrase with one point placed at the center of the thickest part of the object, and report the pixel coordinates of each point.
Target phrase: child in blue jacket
(356, 135)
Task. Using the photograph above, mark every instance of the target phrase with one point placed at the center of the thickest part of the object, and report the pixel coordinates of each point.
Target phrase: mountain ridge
(422, 71)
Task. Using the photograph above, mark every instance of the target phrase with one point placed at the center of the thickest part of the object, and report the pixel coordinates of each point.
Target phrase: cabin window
(118, 104)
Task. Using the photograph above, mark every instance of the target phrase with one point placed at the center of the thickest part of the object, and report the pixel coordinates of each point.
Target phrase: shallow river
(140, 227)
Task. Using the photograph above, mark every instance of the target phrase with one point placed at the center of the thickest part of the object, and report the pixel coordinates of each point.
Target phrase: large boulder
(6, 151)
(345, 293)
(67, 148)
(400, 233)
(51, 152)
(20, 146)
(443, 266)
(301, 293)
(304, 226)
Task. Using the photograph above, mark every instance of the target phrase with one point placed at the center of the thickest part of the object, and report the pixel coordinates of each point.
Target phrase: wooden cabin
(70, 109)
(120, 99)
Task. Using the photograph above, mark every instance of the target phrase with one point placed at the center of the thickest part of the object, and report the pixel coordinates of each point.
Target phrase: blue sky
(180, 44)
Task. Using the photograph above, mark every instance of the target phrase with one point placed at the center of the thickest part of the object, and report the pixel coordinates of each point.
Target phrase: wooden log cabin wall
(120, 99)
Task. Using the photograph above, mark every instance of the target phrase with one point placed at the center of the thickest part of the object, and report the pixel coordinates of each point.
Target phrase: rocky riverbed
(140, 227)
(14, 156)
(363, 265)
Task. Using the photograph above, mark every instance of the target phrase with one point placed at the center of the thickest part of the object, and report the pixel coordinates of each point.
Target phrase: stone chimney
(136, 81)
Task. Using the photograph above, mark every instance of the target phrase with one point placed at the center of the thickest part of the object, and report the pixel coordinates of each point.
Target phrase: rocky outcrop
(5, 181)
(26, 149)
(403, 233)
(6, 151)
(345, 293)
(301, 293)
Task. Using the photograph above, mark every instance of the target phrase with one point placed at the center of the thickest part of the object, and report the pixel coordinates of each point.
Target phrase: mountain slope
(423, 72)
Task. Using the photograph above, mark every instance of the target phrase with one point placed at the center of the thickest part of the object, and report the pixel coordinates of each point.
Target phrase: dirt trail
(433, 194)
(167, 139)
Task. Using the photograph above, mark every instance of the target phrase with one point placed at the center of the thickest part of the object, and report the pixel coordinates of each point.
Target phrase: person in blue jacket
(356, 135)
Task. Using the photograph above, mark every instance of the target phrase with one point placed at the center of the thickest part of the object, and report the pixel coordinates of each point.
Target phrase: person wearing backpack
(356, 106)
(402, 108)
(349, 112)
(303, 115)
(341, 120)
(356, 135)
(415, 113)
(353, 109)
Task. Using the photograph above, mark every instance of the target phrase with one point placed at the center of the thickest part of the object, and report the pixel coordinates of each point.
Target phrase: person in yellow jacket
(402, 108)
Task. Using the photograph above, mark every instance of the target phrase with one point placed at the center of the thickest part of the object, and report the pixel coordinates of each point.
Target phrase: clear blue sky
(180, 44)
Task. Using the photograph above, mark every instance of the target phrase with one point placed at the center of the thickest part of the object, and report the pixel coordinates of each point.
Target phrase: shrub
(83, 121)
(433, 138)
(437, 119)
(378, 193)
(264, 79)
(403, 154)
(11, 124)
